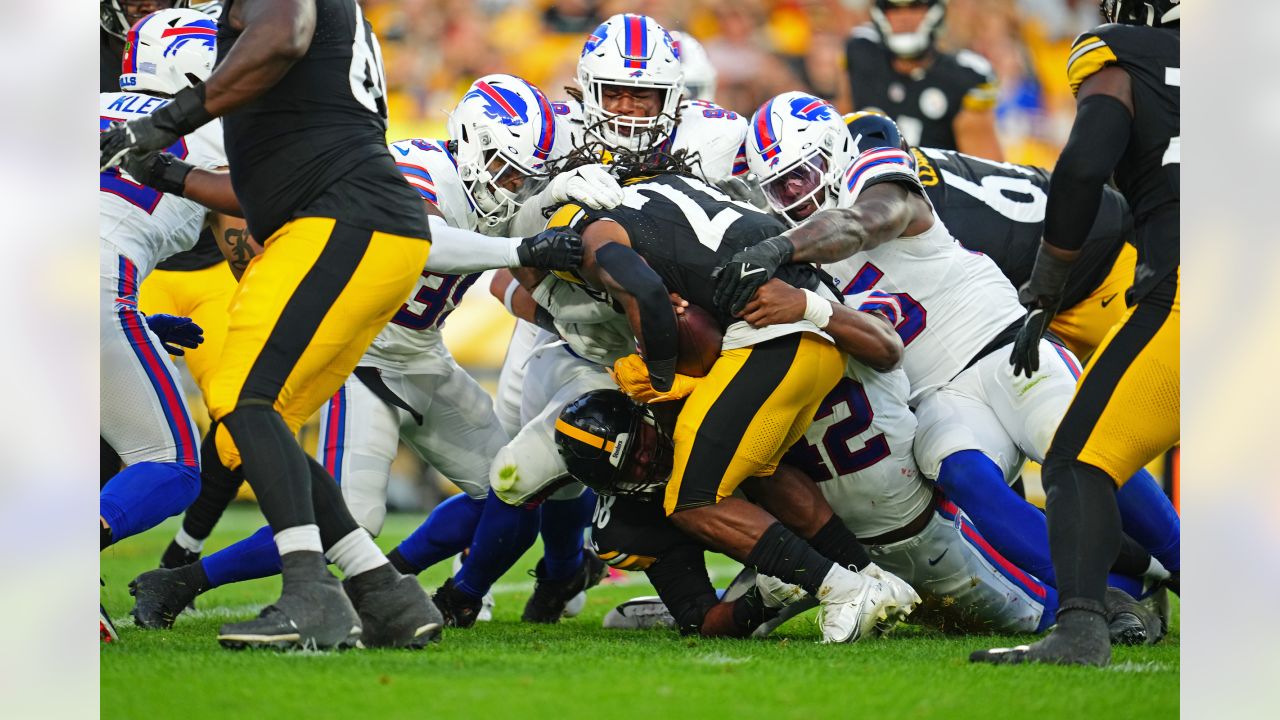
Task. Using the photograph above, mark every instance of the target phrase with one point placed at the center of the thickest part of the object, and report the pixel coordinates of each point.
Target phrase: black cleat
(1130, 622)
(547, 604)
(394, 609)
(161, 595)
(1081, 638)
(313, 613)
(107, 632)
(176, 556)
(458, 608)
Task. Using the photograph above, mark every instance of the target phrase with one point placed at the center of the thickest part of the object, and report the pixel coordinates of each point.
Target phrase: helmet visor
(513, 182)
(794, 193)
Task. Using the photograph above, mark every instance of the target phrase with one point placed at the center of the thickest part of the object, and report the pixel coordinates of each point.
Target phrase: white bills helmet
(798, 147)
(168, 51)
(699, 73)
(505, 129)
(630, 50)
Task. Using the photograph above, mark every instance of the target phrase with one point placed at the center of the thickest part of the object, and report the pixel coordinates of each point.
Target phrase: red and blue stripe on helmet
(546, 133)
(636, 41)
(766, 138)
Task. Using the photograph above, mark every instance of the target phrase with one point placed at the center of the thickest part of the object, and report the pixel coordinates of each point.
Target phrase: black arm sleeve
(680, 577)
(1098, 140)
(657, 319)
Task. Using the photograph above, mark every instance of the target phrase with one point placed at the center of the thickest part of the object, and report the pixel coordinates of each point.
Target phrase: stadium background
(434, 49)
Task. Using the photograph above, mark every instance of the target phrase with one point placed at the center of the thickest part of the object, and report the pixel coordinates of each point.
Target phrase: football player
(699, 73)
(1126, 77)
(953, 309)
(939, 99)
(144, 415)
(407, 386)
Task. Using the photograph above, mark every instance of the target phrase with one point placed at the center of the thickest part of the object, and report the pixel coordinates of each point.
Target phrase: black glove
(175, 332)
(738, 279)
(558, 248)
(1042, 294)
(159, 170)
(162, 128)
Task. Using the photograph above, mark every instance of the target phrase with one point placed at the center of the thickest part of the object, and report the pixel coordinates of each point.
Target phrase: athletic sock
(356, 554)
(1013, 526)
(144, 494)
(332, 516)
(252, 558)
(781, 553)
(1084, 527)
(1149, 517)
(188, 543)
(274, 464)
(504, 534)
(834, 540)
(563, 523)
(447, 531)
(218, 486)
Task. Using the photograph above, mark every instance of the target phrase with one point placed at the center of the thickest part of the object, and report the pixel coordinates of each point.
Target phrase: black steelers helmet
(613, 445)
(871, 130)
(113, 19)
(914, 43)
(1156, 13)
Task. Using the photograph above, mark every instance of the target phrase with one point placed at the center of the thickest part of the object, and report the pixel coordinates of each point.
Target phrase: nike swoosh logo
(938, 559)
(403, 151)
(743, 272)
(1107, 300)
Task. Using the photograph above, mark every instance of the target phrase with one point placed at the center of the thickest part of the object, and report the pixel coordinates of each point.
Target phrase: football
(700, 339)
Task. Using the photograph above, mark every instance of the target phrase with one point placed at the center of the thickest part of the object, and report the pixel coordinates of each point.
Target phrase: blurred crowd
(434, 48)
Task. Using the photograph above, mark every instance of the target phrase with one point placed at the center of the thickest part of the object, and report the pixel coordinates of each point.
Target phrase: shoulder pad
(866, 32)
(1089, 54)
(715, 133)
(877, 166)
(977, 63)
(431, 170)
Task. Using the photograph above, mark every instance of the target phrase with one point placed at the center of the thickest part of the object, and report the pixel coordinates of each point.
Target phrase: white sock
(188, 543)
(838, 578)
(302, 537)
(356, 553)
(1155, 572)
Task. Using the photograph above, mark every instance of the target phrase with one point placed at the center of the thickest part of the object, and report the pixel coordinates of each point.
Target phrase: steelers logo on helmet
(613, 445)
(505, 130)
(797, 147)
(630, 55)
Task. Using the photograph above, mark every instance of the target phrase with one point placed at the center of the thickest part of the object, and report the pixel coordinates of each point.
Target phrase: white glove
(589, 185)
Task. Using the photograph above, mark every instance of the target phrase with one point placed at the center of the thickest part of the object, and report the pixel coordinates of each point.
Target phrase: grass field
(505, 669)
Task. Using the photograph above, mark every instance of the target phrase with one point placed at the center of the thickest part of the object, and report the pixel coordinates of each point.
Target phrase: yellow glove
(632, 375)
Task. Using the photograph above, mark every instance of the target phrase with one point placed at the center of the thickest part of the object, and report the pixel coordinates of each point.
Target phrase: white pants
(511, 378)
(1009, 418)
(360, 433)
(965, 584)
(530, 463)
(144, 415)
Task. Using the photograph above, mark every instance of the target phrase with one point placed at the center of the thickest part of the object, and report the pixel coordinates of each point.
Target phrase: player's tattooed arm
(235, 242)
(881, 213)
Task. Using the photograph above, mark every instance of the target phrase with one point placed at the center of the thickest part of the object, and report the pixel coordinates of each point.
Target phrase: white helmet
(169, 50)
(115, 21)
(699, 73)
(635, 51)
(505, 129)
(798, 147)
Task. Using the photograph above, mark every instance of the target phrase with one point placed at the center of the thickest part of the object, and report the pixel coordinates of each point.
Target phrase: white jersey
(946, 302)
(714, 133)
(140, 223)
(411, 342)
(859, 451)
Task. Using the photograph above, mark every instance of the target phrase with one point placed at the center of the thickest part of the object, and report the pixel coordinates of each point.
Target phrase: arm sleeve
(1098, 140)
(657, 319)
(680, 578)
(457, 252)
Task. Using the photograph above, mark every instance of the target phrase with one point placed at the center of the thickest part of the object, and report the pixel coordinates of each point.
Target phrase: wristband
(184, 113)
(508, 295)
(817, 309)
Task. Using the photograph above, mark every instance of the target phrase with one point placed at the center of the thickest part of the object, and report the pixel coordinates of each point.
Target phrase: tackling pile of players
(855, 445)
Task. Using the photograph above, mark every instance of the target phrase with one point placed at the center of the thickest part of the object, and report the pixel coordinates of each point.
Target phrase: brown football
(700, 339)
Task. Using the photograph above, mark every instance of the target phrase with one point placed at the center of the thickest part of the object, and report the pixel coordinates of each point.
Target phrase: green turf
(506, 669)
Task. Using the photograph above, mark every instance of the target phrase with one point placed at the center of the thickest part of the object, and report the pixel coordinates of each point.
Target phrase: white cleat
(904, 595)
(853, 605)
(640, 613)
(575, 605)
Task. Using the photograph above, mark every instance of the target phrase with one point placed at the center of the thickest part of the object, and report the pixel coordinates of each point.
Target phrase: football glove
(738, 279)
(1042, 294)
(175, 332)
(632, 375)
(159, 170)
(184, 113)
(589, 185)
(558, 248)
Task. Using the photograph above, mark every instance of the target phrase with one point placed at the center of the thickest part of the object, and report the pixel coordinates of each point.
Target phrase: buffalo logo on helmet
(595, 38)
(807, 107)
(203, 31)
(501, 104)
(672, 43)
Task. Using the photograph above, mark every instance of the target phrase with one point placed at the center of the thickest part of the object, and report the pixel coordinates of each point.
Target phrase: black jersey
(997, 209)
(314, 145)
(1148, 172)
(685, 229)
(206, 252)
(924, 104)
